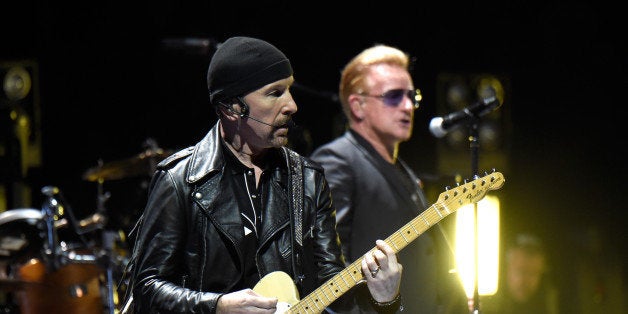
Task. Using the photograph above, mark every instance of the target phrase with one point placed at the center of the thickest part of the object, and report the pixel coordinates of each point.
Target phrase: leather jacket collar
(200, 165)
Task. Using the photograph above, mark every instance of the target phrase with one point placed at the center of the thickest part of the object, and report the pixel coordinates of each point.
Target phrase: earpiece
(244, 106)
(244, 111)
(230, 108)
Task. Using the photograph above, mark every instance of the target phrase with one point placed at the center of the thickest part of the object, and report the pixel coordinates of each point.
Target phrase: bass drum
(74, 288)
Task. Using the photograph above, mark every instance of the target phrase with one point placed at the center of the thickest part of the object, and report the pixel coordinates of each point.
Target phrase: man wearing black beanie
(228, 219)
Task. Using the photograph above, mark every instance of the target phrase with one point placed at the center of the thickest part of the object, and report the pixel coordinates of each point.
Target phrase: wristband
(388, 307)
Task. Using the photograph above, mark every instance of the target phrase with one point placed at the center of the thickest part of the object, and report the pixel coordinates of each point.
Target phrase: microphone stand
(474, 145)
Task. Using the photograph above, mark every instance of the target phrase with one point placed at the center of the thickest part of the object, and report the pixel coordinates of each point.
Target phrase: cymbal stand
(109, 238)
(50, 209)
(97, 220)
(108, 241)
(102, 197)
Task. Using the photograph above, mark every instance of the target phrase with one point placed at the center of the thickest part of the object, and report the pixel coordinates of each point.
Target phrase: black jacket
(187, 251)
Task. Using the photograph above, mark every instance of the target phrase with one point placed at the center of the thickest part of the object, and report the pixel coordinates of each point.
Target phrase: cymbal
(142, 164)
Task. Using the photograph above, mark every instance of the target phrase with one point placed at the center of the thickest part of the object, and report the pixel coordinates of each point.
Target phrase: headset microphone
(260, 121)
(245, 114)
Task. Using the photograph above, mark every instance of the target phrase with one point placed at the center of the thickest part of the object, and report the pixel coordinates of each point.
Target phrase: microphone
(290, 124)
(260, 121)
(439, 126)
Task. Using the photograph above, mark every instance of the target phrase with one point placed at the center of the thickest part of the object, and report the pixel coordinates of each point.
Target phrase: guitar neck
(342, 282)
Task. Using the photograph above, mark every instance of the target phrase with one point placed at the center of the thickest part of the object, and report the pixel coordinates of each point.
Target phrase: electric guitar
(280, 285)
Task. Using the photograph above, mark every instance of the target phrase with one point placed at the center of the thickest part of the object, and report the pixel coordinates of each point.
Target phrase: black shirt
(248, 196)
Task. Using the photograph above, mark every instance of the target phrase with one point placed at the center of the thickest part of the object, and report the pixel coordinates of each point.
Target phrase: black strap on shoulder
(295, 174)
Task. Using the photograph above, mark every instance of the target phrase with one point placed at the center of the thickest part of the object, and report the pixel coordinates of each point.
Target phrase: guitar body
(278, 284)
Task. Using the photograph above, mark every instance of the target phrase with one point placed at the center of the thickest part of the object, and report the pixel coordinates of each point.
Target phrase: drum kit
(51, 262)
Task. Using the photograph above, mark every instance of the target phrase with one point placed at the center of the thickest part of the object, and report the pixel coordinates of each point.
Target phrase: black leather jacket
(188, 247)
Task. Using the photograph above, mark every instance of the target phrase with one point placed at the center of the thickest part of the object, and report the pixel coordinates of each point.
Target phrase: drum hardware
(50, 210)
(51, 213)
(28, 214)
(143, 164)
(41, 273)
(109, 240)
(107, 256)
(99, 219)
(64, 276)
(60, 276)
(20, 235)
(85, 225)
(74, 257)
(92, 223)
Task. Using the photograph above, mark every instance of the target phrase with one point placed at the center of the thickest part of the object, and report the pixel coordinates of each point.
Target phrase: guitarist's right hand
(382, 272)
(246, 301)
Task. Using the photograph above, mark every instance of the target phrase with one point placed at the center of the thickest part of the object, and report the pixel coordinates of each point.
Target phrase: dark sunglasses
(394, 97)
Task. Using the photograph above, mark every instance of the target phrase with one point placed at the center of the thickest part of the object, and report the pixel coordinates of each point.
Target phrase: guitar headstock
(472, 191)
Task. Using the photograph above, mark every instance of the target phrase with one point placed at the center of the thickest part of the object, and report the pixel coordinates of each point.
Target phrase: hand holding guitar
(246, 301)
(382, 272)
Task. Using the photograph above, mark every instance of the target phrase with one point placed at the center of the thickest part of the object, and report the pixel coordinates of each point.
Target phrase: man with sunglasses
(374, 191)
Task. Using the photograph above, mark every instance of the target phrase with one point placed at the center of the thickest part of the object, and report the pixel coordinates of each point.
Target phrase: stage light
(20, 131)
(16, 83)
(487, 229)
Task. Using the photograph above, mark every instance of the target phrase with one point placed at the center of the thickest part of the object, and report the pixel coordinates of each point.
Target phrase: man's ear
(356, 105)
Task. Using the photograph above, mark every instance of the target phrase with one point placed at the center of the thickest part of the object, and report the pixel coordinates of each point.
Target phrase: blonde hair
(352, 79)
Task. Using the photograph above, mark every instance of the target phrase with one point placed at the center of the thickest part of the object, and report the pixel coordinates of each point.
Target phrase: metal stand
(49, 210)
(109, 238)
(474, 146)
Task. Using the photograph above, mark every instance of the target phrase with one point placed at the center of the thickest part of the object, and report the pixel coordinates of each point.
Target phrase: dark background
(108, 81)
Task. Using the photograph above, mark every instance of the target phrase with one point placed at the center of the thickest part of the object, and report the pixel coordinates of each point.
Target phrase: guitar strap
(295, 174)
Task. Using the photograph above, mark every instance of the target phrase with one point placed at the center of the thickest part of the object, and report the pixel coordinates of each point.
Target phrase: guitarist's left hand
(382, 272)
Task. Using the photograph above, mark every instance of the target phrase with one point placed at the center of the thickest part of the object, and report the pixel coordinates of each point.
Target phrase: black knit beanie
(241, 65)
